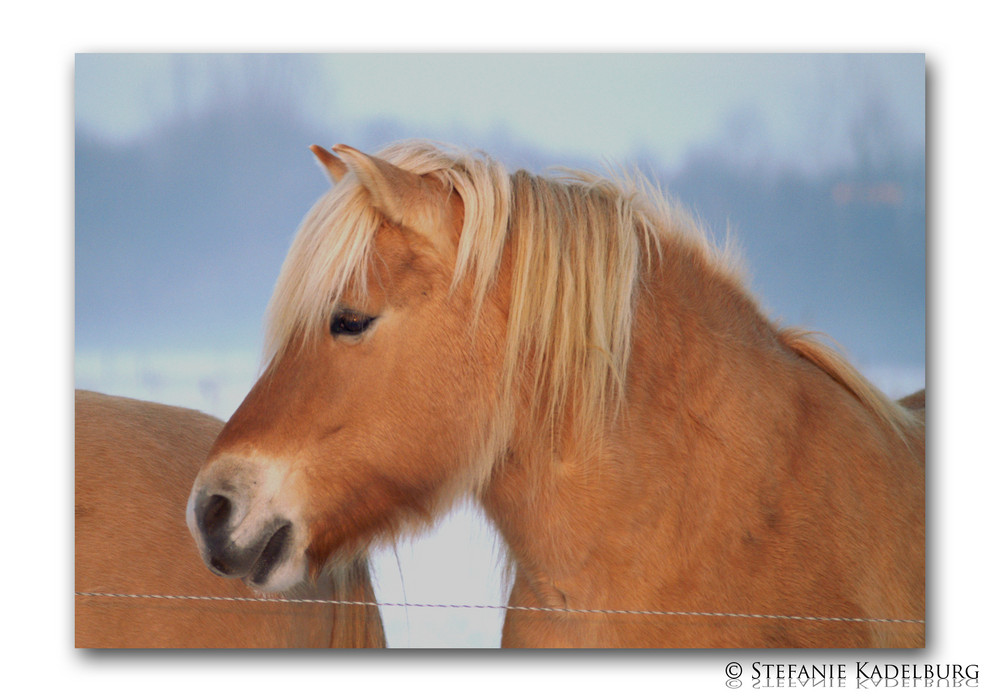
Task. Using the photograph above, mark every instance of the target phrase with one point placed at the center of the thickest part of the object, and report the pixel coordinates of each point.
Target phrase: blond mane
(333, 247)
(808, 345)
(578, 242)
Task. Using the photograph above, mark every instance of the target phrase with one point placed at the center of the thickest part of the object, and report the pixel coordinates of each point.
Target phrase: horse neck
(701, 351)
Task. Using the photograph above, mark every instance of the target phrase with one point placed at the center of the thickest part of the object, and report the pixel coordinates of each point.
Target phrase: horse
(134, 464)
(665, 466)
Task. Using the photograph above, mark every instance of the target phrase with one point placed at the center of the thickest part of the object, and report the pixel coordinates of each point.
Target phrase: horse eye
(345, 322)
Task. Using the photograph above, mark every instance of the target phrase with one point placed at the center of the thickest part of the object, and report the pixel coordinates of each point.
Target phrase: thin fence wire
(460, 606)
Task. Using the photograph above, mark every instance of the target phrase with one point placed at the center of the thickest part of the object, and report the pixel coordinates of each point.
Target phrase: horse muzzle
(241, 533)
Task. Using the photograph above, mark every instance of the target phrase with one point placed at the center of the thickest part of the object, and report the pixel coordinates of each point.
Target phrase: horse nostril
(215, 514)
(220, 567)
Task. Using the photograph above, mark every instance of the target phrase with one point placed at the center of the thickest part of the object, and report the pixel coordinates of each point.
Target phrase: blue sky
(693, 120)
(801, 106)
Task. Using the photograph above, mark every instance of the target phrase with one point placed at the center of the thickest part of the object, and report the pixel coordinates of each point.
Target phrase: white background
(37, 350)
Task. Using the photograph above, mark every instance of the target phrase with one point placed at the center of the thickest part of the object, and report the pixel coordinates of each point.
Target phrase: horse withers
(134, 465)
(574, 354)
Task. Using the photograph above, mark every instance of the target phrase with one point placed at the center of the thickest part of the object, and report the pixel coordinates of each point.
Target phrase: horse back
(135, 463)
(914, 402)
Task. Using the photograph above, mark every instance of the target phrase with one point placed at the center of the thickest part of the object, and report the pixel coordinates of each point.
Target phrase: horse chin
(271, 557)
(289, 574)
(279, 566)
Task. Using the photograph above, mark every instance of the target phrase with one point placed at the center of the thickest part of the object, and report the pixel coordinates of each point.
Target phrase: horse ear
(333, 165)
(403, 197)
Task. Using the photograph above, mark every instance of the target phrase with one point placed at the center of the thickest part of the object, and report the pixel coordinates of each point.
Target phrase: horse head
(379, 398)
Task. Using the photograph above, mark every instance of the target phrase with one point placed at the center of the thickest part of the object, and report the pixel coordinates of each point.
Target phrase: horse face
(361, 428)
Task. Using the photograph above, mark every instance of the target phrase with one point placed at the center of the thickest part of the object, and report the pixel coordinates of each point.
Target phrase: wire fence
(461, 606)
